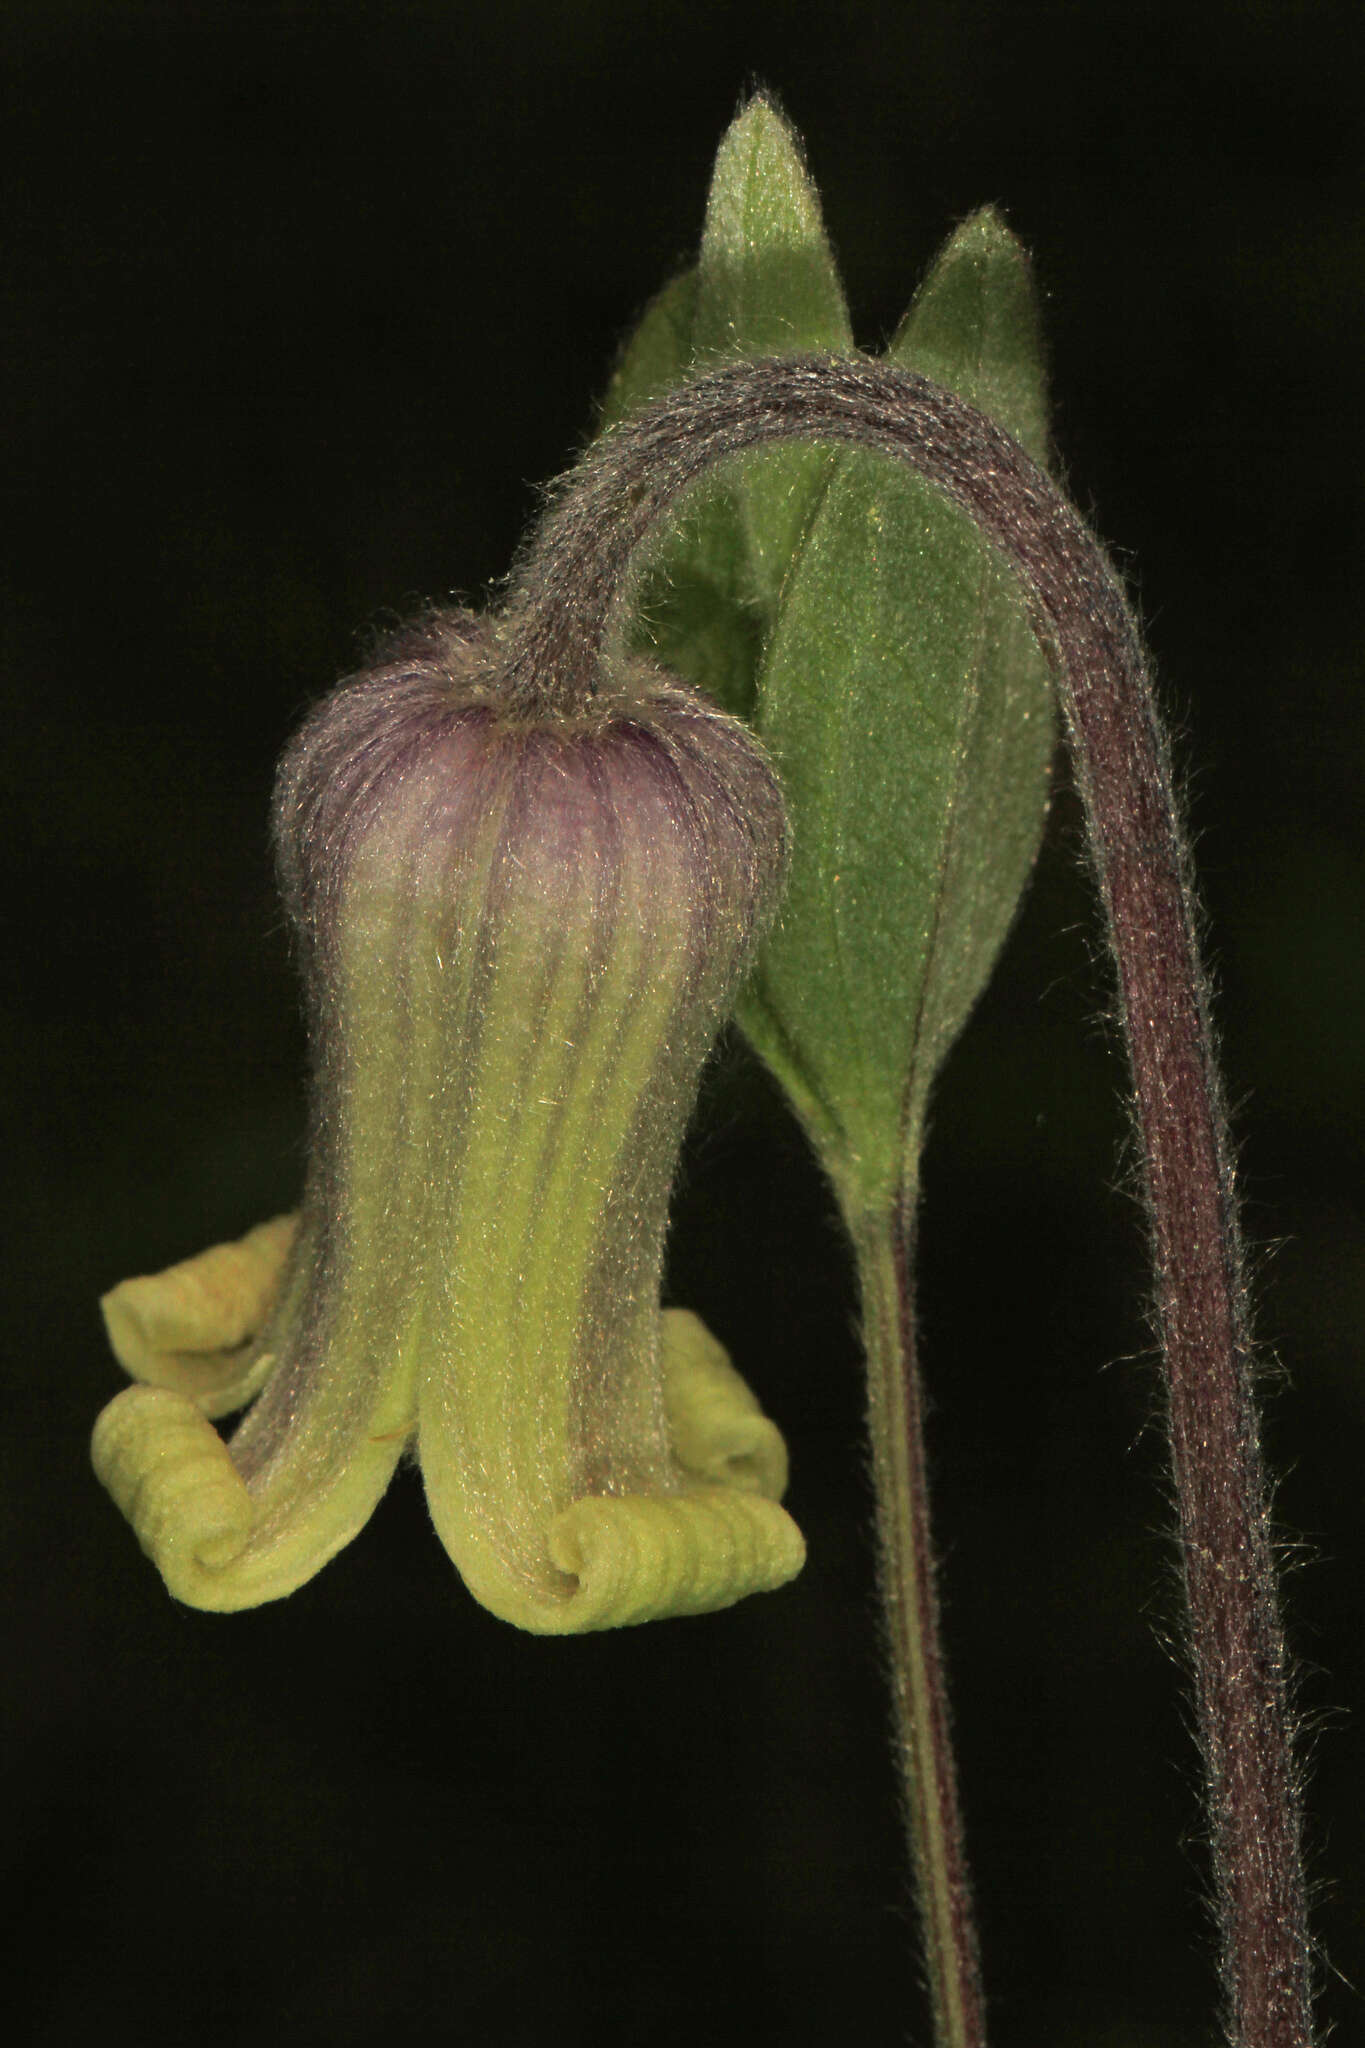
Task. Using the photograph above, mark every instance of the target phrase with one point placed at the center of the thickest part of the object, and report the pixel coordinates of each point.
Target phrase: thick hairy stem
(569, 600)
(896, 1425)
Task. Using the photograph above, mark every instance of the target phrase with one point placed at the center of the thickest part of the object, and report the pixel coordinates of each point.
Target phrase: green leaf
(910, 713)
(973, 326)
(687, 613)
(768, 286)
(657, 355)
(765, 284)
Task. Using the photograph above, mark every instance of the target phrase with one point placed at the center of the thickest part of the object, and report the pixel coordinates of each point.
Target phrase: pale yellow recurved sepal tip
(190, 1328)
(629, 1558)
(717, 1429)
(641, 1557)
(172, 1476)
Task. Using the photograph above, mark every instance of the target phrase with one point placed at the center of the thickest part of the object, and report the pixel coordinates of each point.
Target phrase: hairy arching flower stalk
(560, 627)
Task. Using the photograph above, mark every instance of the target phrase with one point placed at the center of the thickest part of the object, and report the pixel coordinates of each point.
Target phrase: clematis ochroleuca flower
(519, 932)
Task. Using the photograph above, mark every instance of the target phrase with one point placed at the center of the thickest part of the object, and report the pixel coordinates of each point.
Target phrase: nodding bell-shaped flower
(519, 934)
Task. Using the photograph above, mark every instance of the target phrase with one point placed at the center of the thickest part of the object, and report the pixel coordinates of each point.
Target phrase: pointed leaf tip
(768, 280)
(765, 283)
(973, 325)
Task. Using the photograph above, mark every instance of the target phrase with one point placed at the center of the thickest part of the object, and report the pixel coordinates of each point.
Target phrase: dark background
(301, 301)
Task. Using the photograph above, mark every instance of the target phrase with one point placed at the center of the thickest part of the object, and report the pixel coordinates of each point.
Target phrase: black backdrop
(300, 303)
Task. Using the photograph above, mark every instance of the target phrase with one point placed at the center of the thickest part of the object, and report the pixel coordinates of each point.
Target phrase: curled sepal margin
(225, 1529)
(191, 1327)
(219, 1546)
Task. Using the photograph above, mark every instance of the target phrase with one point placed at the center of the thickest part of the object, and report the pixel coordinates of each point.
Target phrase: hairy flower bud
(519, 935)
